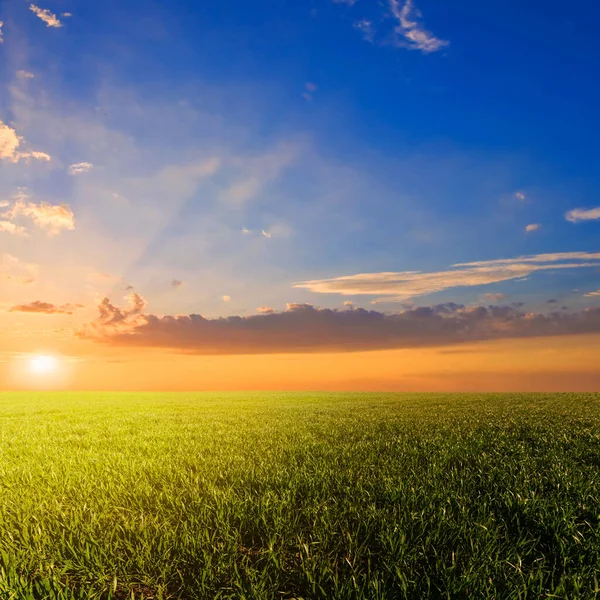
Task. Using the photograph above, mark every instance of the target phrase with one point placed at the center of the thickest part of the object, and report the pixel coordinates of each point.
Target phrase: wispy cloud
(10, 143)
(580, 214)
(1, 32)
(520, 196)
(497, 297)
(45, 15)
(532, 227)
(79, 168)
(12, 228)
(592, 294)
(25, 74)
(14, 270)
(415, 35)
(367, 29)
(46, 308)
(176, 283)
(397, 287)
(304, 328)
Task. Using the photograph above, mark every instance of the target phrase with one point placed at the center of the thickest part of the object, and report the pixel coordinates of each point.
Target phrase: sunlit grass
(263, 496)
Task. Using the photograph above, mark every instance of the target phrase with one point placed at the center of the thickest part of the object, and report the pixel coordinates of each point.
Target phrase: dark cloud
(46, 308)
(304, 328)
(176, 283)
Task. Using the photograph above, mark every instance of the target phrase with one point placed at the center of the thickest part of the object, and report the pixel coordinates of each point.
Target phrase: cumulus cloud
(15, 270)
(305, 328)
(79, 168)
(415, 35)
(532, 227)
(9, 146)
(51, 217)
(579, 214)
(397, 287)
(46, 308)
(25, 74)
(45, 15)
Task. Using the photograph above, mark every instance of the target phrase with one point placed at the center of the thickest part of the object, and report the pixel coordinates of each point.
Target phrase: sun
(41, 364)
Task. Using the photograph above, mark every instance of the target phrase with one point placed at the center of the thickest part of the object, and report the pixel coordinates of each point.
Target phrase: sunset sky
(300, 194)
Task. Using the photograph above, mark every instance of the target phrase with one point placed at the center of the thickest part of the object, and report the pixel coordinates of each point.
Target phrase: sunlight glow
(43, 365)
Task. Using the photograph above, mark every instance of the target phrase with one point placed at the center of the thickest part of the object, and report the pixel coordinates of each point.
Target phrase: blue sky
(243, 148)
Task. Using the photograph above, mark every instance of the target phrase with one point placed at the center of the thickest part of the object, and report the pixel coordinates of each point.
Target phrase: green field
(268, 496)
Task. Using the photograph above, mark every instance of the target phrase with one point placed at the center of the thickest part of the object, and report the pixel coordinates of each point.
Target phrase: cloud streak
(46, 308)
(303, 328)
(416, 37)
(579, 214)
(400, 286)
(45, 15)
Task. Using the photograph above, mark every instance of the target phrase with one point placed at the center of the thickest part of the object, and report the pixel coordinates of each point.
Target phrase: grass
(267, 496)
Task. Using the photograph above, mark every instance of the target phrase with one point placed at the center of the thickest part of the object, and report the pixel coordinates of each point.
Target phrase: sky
(300, 194)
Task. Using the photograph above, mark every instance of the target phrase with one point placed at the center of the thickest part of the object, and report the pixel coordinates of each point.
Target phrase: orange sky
(567, 363)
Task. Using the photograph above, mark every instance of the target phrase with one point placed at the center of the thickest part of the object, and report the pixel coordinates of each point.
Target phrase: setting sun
(43, 364)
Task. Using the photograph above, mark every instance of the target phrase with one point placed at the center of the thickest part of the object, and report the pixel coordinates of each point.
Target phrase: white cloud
(45, 15)
(520, 196)
(532, 227)
(265, 234)
(25, 74)
(78, 168)
(245, 231)
(1, 34)
(579, 214)
(416, 36)
(9, 146)
(397, 287)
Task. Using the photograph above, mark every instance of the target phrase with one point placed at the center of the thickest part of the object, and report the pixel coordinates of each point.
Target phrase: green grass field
(268, 496)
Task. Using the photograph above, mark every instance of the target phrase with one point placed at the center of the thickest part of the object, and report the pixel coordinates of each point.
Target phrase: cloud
(532, 227)
(349, 304)
(367, 29)
(416, 36)
(226, 298)
(265, 310)
(592, 294)
(265, 234)
(579, 214)
(82, 167)
(304, 328)
(10, 227)
(520, 196)
(245, 231)
(1, 33)
(176, 283)
(46, 308)
(348, 2)
(9, 146)
(45, 15)
(25, 75)
(51, 217)
(397, 287)
(15, 270)
(495, 297)
(311, 87)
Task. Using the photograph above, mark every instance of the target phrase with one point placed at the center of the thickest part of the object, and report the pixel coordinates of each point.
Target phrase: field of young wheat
(326, 496)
